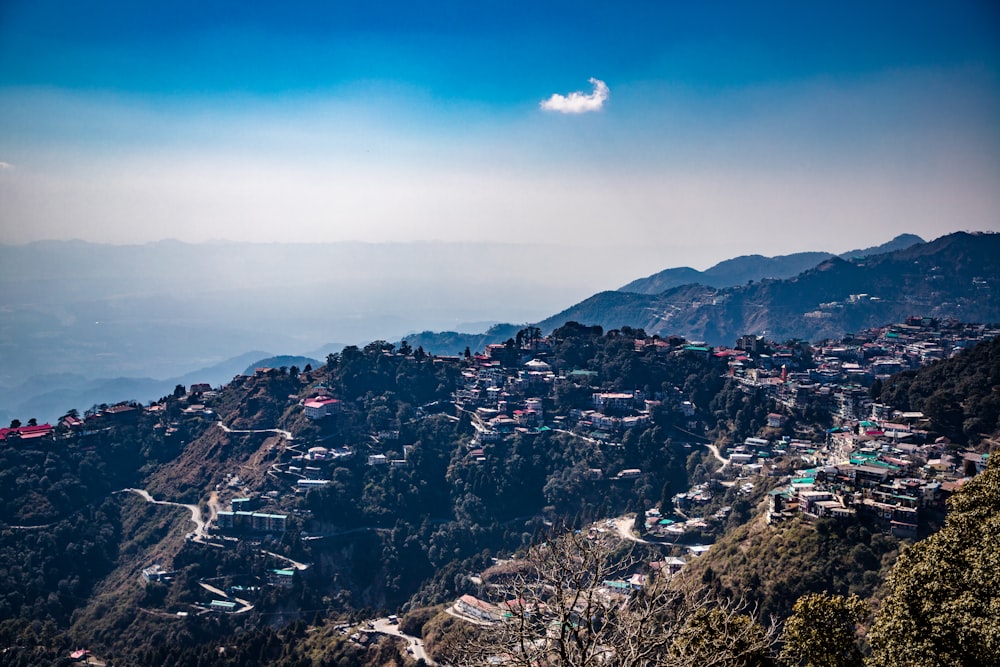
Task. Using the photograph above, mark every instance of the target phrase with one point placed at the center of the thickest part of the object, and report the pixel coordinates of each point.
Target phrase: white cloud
(6, 165)
(578, 102)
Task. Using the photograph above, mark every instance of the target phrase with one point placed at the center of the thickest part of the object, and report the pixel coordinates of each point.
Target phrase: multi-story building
(321, 407)
(255, 521)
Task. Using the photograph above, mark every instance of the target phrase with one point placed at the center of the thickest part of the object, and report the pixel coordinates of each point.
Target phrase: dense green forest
(960, 395)
(62, 528)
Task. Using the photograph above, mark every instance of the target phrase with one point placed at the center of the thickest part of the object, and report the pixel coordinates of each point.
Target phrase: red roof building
(320, 407)
(25, 432)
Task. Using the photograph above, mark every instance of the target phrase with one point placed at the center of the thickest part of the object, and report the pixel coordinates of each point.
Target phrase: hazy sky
(670, 133)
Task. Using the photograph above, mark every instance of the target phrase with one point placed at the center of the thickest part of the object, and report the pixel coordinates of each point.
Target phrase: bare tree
(559, 610)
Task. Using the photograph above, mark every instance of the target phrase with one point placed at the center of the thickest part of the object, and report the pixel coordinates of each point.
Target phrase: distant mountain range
(46, 397)
(72, 311)
(59, 348)
(740, 270)
(954, 276)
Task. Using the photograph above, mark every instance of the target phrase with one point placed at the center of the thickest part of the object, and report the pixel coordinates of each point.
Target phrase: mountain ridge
(952, 276)
(48, 396)
(696, 311)
(739, 270)
(935, 278)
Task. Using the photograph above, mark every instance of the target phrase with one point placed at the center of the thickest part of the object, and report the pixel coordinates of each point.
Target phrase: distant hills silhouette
(955, 276)
(740, 270)
(809, 295)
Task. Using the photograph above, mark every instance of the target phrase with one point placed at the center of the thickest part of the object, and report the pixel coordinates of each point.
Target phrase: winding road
(415, 645)
(719, 457)
(282, 432)
(196, 516)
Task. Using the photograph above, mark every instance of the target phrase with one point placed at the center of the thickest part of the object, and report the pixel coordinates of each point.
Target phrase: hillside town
(873, 461)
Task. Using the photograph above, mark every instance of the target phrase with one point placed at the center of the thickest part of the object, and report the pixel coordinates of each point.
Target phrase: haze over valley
(93, 323)
(76, 312)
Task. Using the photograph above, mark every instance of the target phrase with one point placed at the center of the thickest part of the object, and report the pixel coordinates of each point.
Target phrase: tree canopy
(944, 605)
(822, 631)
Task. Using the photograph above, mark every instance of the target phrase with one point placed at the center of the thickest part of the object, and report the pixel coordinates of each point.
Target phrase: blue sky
(726, 129)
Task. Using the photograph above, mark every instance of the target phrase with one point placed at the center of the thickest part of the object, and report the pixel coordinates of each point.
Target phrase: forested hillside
(942, 604)
(961, 395)
(388, 534)
(413, 497)
(774, 566)
(65, 526)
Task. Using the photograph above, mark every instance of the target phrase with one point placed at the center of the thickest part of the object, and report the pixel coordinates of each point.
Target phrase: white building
(320, 407)
(475, 608)
(613, 401)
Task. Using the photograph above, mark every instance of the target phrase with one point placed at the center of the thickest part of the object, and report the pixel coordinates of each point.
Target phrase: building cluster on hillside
(503, 400)
(245, 516)
(93, 421)
(256, 521)
(877, 460)
(890, 482)
(844, 369)
(614, 412)
(662, 527)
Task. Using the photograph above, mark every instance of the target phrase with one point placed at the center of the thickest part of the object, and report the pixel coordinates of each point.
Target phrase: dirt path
(245, 605)
(415, 645)
(623, 526)
(719, 457)
(297, 565)
(577, 435)
(213, 507)
(196, 517)
(286, 434)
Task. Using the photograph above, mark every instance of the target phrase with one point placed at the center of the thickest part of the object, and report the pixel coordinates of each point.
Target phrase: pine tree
(666, 499)
(640, 518)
